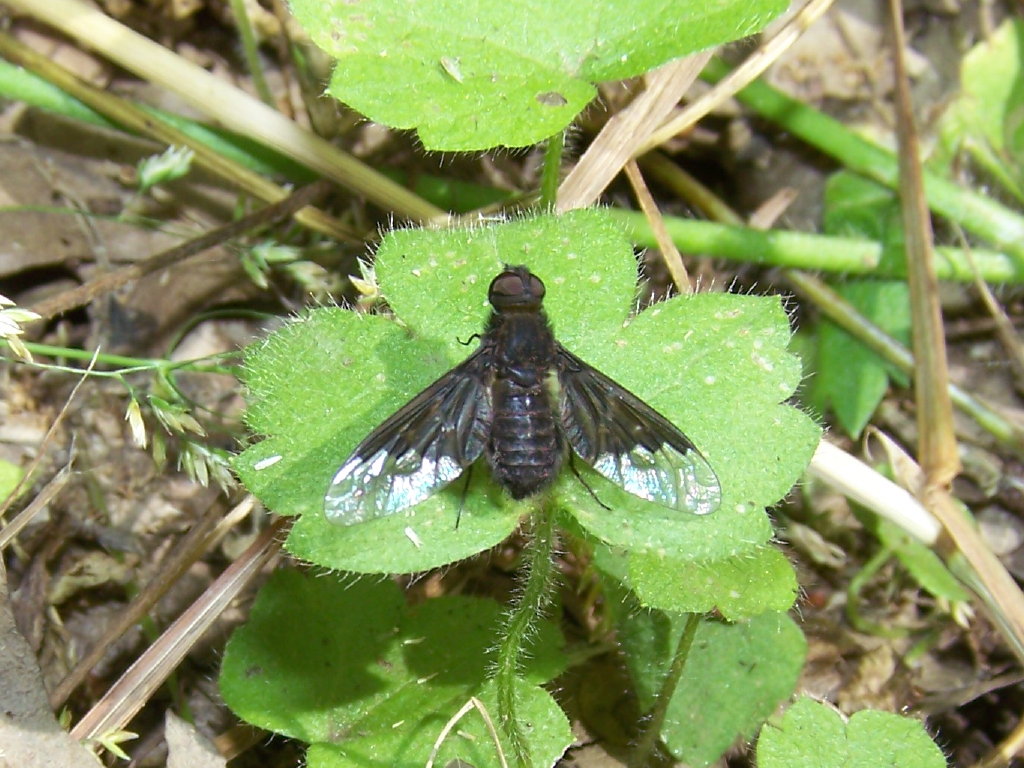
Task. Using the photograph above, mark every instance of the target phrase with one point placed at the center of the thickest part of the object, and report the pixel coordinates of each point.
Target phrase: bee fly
(522, 401)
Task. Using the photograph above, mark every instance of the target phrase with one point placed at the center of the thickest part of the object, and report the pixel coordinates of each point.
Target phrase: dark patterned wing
(421, 448)
(630, 443)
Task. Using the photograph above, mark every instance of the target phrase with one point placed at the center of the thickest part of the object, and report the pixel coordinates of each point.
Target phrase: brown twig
(201, 537)
(669, 253)
(133, 689)
(618, 140)
(110, 281)
(937, 451)
(44, 497)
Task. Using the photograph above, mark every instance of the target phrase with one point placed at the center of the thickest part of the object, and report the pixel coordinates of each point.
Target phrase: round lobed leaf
(380, 694)
(715, 365)
(475, 74)
(814, 735)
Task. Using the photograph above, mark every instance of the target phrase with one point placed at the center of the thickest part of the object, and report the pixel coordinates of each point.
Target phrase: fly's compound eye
(536, 287)
(516, 287)
(507, 285)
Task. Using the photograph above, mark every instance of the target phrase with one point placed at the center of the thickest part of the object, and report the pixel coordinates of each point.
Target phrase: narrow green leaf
(19, 84)
(921, 562)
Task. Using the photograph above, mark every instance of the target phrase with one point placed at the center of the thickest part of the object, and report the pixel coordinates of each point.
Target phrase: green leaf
(19, 84)
(923, 564)
(475, 74)
(739, 586)
(859, 207)
(987, 118)
(734, 677)
(10, 476)
(716, 365)
(349, 668)
(813, 735)
(850, 379)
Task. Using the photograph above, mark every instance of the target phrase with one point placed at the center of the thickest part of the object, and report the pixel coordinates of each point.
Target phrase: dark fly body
(523, 402)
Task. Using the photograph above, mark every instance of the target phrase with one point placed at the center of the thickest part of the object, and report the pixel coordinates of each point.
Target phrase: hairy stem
(530, 606)
(645, 745)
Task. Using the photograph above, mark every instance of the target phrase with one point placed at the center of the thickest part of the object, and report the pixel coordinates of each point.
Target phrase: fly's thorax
(521, 339)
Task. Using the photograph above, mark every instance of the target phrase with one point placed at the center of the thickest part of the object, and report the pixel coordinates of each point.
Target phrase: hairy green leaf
(475, 74)
(716, 365)
(734, 677)
(752, 582)
(349, 668)
(814, 735)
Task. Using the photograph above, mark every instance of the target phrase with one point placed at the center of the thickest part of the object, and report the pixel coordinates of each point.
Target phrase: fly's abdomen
(525, 449)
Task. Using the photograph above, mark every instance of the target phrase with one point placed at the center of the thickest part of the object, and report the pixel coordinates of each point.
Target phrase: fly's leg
(583, 482)
(462, 497)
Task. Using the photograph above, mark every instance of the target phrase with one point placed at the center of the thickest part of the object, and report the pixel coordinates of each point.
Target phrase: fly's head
(516, 289)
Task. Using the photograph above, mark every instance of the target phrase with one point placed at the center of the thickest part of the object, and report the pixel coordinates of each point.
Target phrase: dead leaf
(29, 733)
(187, 748)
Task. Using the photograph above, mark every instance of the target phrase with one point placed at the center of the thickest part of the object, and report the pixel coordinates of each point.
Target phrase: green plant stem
(802, 250)
(128, 364)
(857, 584)
(656, 718)
(527, 609)
(551, 171)
(833, 305)
(251, 52)
(977, 214)
(845, 315)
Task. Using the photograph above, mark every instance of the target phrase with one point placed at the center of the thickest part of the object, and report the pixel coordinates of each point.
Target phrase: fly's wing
(419, 449)
(630, 443)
